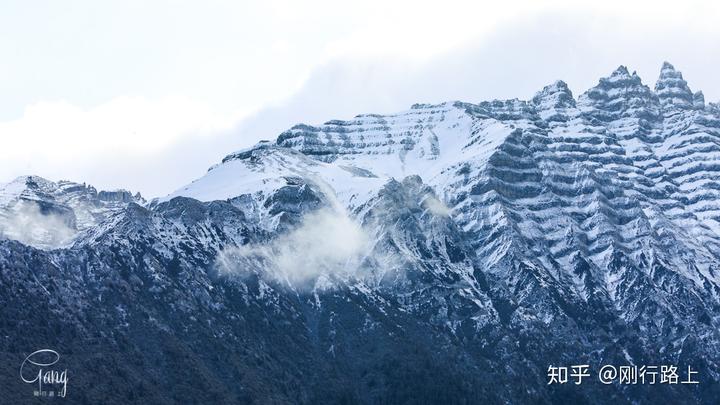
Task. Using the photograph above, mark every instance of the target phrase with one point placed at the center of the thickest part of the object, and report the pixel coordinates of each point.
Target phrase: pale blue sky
(118, 93)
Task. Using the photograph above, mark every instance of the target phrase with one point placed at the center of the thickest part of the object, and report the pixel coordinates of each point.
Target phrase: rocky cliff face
(449, 253)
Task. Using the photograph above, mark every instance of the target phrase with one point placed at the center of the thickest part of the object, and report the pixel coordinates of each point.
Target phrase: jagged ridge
(503, 235)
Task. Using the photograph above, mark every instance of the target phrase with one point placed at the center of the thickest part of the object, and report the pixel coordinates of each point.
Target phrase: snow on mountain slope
(251, 178)
(355, 158)
(436, 254)
(49, 215)
(625, 171)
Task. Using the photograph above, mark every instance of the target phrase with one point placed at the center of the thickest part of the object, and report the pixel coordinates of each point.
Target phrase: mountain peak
(667, 66)
(247, 152)
(556, 87)
(672, 89)
(621, 70)
(621, 95)
(553, 101)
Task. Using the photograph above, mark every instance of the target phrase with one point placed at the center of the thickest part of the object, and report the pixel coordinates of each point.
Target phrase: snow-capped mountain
(448, 253)
(48, 215)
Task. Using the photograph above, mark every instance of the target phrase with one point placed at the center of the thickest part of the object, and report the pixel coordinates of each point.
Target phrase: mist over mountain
(449, 253)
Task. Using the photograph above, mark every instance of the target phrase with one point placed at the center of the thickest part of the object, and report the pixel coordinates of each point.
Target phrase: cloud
(124, 123)
(327, 243)
(435, 206)
(127, 142)
(28, 225)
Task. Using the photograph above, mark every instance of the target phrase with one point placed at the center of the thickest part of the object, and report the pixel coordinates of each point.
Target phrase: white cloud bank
(133, 124)
(128, 142)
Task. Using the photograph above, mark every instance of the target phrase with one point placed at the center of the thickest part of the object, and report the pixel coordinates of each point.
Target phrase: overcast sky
(146, 95)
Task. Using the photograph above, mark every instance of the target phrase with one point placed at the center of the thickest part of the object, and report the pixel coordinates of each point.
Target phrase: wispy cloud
(327, 242)
(27, 224)
(435, 206)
